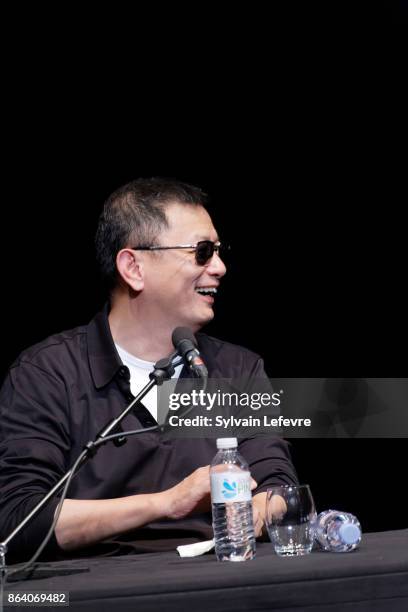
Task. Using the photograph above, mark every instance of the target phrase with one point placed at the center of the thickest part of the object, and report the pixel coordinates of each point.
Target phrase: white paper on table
(196, 549)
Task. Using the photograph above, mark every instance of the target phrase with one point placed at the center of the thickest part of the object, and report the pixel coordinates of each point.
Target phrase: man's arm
(85, 522)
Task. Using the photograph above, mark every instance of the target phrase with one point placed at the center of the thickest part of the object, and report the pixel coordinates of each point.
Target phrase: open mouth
(206, 291)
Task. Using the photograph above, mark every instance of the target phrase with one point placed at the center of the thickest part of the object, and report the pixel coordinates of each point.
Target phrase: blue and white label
(230, 487)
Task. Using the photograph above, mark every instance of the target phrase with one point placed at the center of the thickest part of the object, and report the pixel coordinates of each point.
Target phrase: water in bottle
(231, 504)
(337, 531)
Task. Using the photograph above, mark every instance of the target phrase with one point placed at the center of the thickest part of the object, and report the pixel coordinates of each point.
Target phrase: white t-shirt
(139, 377)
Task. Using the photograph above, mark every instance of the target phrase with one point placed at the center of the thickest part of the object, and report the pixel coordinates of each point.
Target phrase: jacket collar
(104, 360)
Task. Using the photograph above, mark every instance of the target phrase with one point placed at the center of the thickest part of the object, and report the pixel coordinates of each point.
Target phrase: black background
(294, 122)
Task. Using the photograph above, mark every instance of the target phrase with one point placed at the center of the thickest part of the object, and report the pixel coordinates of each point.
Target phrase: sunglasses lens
(204, 252)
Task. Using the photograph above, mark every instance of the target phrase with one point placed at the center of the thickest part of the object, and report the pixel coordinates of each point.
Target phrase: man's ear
(130, 267)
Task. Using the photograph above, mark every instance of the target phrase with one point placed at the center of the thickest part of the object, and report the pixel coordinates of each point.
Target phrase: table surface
(374, 577)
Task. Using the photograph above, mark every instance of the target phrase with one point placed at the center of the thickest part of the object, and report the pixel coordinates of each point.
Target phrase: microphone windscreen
(182, 333)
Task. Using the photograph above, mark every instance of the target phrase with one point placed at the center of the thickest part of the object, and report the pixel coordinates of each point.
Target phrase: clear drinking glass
(290, 519)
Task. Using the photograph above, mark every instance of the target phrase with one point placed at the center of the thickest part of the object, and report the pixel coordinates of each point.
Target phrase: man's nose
(216, 266)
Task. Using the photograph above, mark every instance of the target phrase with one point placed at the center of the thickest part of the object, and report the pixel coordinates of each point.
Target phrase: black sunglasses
(204, 249)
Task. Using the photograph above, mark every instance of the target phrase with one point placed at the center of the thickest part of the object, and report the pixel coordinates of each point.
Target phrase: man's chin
(199, 322)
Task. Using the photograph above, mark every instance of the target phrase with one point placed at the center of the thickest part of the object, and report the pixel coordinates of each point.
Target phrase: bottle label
(230, 487)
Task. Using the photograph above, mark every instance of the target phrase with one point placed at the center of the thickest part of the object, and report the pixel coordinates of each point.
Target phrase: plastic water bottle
(337, 531)
(231, 504)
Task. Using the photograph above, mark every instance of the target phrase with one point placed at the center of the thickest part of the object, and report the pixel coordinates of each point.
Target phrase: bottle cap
(349, 533)
(227, 443)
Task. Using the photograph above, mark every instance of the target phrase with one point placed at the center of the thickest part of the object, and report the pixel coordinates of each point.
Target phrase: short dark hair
(135, 214)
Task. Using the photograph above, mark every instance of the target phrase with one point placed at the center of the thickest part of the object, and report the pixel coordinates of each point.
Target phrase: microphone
(186, 346)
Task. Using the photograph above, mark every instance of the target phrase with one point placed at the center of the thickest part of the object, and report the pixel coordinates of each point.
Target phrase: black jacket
(61, 392)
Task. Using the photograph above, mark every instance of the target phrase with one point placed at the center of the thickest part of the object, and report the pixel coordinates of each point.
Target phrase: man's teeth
(206, 290)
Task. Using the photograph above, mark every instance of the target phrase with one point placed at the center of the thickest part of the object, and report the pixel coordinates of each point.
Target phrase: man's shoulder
(227, 359)
(216, 345)
(54, 350)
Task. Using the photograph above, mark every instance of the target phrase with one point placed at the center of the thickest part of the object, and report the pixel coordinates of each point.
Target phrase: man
(159, 254)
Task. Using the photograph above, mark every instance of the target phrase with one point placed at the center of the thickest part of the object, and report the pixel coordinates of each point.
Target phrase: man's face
(172, 277)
